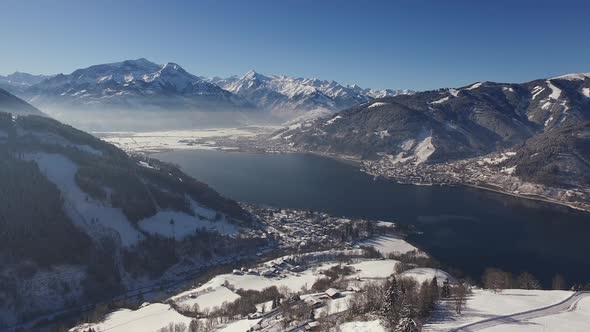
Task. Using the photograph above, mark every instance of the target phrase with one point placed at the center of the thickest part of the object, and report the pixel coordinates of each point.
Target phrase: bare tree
(497, 279)
(459, 298)
(194, 326)
(528, 281)
(558, 282)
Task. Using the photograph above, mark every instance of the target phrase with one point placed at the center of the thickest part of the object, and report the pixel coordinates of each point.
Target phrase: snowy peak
(285, 95)
(573, 77)
(17, 82)
(133, 84)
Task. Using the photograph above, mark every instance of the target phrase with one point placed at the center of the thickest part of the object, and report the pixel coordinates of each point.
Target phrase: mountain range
(143, 85)
(544, 122)
(18, 82)
(284, 95)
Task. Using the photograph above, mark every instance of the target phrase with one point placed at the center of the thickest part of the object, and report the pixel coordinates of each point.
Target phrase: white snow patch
(61, 171)
(368, 326)
(508, 170)
(548, 121)
(586, 92)
(454, 92)
(332, 120)
(424, 150)
(474, 86)
(555, 91)
(144, 164)
(238, 325)
(537, 90)
(440, 101)
(422, 274)
(484, 304)
(389, 245)
(211, 298)
(149, 318)
(185, 224)
(407, 144)
(575, 319)
(377, 104)
(573, 77)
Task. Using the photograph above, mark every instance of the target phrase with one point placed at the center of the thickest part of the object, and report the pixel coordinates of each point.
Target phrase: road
(568, 304)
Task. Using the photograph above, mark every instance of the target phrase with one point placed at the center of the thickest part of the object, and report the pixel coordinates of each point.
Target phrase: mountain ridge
(538, 130)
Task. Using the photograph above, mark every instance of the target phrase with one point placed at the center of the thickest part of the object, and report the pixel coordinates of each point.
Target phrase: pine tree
(389, 307)
(406, 322)
(434, 291)
(446, 289)
(425, 299)
(391, 302)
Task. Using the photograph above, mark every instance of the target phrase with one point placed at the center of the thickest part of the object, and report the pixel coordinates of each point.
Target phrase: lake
(464, 228)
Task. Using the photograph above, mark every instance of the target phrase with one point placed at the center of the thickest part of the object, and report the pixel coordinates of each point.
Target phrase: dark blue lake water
(464, 228)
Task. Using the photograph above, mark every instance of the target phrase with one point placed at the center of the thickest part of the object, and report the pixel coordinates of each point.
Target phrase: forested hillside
(81, 221)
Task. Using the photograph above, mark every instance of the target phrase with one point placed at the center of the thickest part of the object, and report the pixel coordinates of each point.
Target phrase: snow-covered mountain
(132, 84)
(284, 95)
(456, 123)
(17, 82)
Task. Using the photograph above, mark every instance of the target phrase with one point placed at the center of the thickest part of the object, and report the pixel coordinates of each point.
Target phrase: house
(312, 326)
(332, 293)
(313, 302)
(268, 272)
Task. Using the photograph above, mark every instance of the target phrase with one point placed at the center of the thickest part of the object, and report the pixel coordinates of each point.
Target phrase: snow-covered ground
(422, 274)
(575, 319)
(485, 304)
(166, 140)
(389, 245)
(357, 326)
(185, 224)
(91, 215)
(150, 317)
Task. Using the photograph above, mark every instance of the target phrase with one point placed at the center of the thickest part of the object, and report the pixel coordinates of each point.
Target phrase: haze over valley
(387, 166)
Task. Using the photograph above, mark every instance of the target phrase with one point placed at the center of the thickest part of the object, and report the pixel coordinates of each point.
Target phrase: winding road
(568, 304)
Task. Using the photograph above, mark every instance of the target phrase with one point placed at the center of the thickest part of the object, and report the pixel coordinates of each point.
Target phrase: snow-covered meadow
(158, 141)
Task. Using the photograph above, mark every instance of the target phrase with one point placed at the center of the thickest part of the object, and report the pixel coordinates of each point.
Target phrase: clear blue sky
(382, 44)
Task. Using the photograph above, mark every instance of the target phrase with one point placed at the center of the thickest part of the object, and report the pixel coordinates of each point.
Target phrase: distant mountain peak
(573, 77)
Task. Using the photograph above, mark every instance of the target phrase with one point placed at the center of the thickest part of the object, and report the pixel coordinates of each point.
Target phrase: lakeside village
(487, 172)
(320, 263)
(318, 272)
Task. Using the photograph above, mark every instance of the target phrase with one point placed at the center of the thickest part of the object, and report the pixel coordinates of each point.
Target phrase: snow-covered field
(389, 245)
(215, 292)
(165, 140)
(422, 274)
(484, 304)
(368, 326)
(185, 224)
(150, 317)
(575, 319)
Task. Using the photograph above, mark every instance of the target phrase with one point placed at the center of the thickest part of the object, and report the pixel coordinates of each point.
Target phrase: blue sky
(382, 44)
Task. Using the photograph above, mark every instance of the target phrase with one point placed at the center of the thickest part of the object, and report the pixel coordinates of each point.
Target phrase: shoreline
(356, 162)
(532, 197)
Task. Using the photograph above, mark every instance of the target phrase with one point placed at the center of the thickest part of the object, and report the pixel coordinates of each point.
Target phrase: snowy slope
(485, 304)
